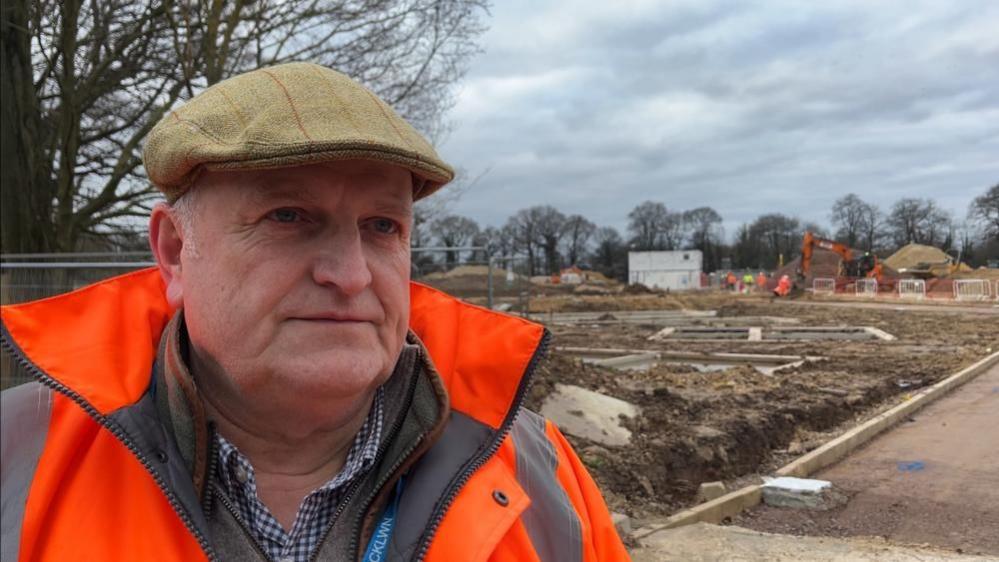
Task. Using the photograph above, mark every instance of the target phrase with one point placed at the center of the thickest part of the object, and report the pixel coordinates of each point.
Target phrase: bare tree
(674, 231)
(645, 225)
(454, 231)
(610, 254)
(705, 234)
(856, 221)
(920, 221)
(523, 231)
(549, 231)
(576, 233)
(88, 80)
(492, 238)
(767, 239)
(984, 210)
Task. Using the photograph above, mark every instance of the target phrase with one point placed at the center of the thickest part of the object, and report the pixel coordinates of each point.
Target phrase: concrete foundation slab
(588, 414)
(769, 333)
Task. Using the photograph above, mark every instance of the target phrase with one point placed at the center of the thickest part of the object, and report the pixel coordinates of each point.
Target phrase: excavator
(866, 265)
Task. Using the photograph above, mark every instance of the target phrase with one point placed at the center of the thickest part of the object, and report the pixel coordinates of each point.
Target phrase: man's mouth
(332, 317)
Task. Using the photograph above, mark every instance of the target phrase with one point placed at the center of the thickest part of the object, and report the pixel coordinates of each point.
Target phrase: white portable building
(673, 270)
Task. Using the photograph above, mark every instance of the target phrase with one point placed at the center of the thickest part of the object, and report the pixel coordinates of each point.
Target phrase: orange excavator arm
(808, 244)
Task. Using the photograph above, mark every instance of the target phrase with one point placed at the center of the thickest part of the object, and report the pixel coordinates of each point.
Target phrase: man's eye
(384, 226)
(284, 215)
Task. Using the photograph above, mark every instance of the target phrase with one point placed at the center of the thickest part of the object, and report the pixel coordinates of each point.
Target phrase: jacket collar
(100, 341)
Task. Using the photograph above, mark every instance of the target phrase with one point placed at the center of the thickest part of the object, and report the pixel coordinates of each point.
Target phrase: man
(761, 281)
(275, 389)
(783, 286)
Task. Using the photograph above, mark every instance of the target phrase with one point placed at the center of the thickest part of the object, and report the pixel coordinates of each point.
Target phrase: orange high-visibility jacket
(77, 483)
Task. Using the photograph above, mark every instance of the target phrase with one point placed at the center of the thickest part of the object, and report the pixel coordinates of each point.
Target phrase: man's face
(296, 285)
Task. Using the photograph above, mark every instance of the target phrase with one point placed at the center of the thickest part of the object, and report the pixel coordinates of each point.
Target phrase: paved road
(934, 479)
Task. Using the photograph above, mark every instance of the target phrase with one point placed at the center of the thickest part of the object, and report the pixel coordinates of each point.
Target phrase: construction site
(687, 405)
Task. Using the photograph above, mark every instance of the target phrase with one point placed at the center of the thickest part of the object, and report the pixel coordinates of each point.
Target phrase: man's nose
(343, 264)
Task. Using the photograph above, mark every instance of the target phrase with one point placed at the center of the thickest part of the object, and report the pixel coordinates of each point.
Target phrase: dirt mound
(470, 271)
(637, 289)
(593, 276)
(917, 255)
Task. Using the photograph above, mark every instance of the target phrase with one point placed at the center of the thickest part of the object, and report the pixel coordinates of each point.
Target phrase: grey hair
(183, 210)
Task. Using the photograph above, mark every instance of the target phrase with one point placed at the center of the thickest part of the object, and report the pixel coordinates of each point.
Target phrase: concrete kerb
(734, 503)
(714, 511)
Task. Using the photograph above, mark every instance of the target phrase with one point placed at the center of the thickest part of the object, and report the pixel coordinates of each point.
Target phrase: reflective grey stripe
(551, 520)
(463, 439)
(24, 423)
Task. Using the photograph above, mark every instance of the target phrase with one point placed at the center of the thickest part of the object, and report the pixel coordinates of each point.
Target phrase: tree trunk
(24, 183)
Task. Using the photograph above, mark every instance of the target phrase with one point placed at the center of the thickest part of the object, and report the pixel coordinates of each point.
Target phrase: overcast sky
(747, 107)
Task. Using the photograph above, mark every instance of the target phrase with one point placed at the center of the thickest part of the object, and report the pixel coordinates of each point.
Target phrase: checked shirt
(315, 514)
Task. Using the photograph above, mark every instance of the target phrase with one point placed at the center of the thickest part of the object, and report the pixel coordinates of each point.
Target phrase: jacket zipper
(393, 431)
(459, 483)
(212, 491)
(239, 521)
(6, 341)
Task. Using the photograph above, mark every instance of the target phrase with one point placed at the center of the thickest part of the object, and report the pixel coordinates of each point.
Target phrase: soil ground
(931, 480)
(710, 543)
(738, 424)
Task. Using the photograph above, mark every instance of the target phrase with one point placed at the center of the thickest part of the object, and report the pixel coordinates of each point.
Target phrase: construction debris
(711, 490)
(800, 493)
(590, 415)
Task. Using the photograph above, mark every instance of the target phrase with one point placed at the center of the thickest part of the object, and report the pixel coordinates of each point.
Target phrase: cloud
(748, 108)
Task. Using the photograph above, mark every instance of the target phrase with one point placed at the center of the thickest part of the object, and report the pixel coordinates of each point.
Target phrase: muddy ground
(738, 424)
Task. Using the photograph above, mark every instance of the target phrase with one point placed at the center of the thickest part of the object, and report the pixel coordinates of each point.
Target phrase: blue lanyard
(378, 545)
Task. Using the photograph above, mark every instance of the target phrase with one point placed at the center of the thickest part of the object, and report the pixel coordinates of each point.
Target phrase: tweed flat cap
(286, 115)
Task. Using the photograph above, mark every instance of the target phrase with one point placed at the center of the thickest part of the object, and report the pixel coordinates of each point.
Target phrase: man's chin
(343, 372)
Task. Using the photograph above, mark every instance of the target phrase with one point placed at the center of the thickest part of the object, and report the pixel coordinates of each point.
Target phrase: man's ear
(166, 241)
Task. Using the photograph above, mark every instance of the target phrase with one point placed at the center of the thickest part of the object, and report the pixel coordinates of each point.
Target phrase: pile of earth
(699, 427)
(920, 256)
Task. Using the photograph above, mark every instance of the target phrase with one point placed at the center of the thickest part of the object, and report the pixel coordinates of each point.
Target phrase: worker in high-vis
(275, 388)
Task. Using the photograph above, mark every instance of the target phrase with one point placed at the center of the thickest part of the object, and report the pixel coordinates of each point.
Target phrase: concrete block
(804, 493)
(663, 334)
(710, 490)
(590, 415)
(622, 523)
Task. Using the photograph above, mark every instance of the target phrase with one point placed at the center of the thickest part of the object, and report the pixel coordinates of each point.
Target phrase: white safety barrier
(823, 285)
(912, 288)
(867, 287)
(972, 289)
